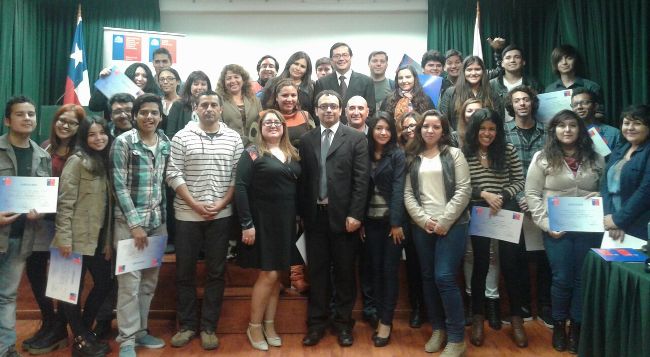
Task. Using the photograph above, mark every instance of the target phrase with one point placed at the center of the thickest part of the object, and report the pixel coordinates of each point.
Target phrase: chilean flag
(77, 88)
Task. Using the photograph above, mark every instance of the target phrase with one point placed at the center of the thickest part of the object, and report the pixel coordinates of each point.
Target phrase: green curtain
(612, 37)
(36, 35)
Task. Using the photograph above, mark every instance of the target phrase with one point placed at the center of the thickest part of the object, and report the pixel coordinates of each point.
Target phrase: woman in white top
(436, 195)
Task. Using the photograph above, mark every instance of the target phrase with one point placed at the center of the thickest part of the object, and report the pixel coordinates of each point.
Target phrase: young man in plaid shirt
(138, 161)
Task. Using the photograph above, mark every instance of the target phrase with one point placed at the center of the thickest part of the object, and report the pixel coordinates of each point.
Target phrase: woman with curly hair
(241, 107)
(567, 166)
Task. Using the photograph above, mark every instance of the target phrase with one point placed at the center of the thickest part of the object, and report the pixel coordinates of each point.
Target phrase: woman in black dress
(265, 192)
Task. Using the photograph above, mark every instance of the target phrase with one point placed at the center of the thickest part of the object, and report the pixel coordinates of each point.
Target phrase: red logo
(516, 216)
(556, 201)
(76, 260)
(51, 182)
(72, 297)
(154, 261)
(595, 202)
(121, 268)
(7, 181)
(479, 210)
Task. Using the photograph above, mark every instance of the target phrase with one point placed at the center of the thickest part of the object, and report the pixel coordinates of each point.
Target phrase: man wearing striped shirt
(201, 171)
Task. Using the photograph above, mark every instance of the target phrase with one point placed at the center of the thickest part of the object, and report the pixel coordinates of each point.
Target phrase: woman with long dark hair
(497, 177)
(298, 69)
(473, 82)
(567, 166)
(83, 227)
(407, 96)
(385, 217)
(169, 80)
(139, 73)
(60, 145)
(436, 194)
(182, 111)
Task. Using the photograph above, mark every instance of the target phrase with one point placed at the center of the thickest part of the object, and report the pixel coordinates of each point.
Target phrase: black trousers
(514, 267)
(100, 270)
(324, 249)
(36, 270)
(211, 237)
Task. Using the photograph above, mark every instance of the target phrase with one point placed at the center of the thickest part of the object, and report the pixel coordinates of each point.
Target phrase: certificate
(551, 103)
(600, 146)
(575, 214)
(505, 225)
(117, 82)
(21, 194)
(301, 244)
(532, 235)
(620, 255)
(64, 276)
(628, 242)
(129, 258)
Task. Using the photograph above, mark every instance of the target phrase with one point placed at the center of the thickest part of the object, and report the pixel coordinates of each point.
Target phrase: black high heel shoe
(382, 341)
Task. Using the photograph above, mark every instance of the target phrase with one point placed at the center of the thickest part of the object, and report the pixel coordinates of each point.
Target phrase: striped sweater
(508, 181)
(206, 164)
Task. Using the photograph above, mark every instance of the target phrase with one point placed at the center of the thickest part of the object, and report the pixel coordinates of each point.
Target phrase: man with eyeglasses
(120, 106)
(346, 82)
(332, 199)
(583, 103)
(19, 156)
(201, 171)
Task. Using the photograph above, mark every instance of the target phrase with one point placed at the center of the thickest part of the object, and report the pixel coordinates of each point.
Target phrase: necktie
(324, 148)
(343, 86)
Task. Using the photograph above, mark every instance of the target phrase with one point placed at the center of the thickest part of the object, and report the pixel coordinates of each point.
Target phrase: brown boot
(478, 335)
(297, 278)
(518, 332)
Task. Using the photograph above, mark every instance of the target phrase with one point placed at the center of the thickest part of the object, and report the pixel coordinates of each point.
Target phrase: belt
(321, 207)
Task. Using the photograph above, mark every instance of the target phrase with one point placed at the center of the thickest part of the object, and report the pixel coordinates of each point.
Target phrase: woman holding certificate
(568, 166)
(437, 191)
(626, 187)
(82, 227)
(497, 177)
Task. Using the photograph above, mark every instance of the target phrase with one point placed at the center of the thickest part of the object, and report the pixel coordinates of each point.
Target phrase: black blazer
(360, 84)
(347, 177)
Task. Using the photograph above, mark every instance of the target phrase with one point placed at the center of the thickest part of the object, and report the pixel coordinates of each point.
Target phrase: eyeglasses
(166, 79)
(270, 124)
(326, 106)
(341, 55)
(409, 127)
(582, 103)
(69, 123)
(121, 112)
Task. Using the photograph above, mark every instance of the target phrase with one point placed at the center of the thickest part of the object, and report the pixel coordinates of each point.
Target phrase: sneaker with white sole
(148, 341)
(127, 351)
(209, 340)
(182, 338)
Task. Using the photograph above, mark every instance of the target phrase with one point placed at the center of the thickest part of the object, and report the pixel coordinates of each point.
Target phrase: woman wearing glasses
(168, 80)
(265, 195)
(60, 145)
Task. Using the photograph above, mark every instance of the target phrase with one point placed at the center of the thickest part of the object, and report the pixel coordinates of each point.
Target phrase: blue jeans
(11, 270)
(440, 258)
(566, 255)
(384, 256)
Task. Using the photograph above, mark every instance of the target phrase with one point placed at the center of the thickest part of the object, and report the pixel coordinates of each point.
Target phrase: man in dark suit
(333, 189)
(346, 82)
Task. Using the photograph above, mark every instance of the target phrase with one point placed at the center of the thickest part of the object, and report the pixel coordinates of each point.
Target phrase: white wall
(220, 32)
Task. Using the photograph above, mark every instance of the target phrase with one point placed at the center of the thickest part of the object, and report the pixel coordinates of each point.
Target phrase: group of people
(364, 165)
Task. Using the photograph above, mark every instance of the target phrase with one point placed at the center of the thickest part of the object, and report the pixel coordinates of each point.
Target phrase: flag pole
(79, 11)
